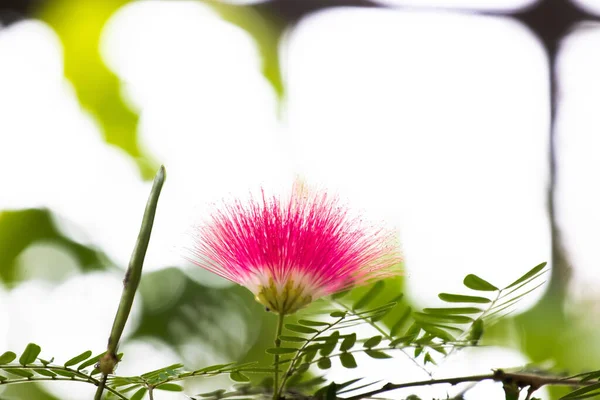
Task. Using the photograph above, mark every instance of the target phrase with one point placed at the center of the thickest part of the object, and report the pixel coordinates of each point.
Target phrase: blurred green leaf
(453, 310)
(373, 292)
(281, 350)
(476, 331)
(20, 229)
(79, 25)
(310, 355)
(139, 395)
(438, 332)
(170, 387)
(348, 342)
(292, 339)
(460, 298)
(401, 321)
(583, 393)
(324, 363)
(330, 343)
(428, 359)
(300, 328)
(458, 319)
(238, 377)
(266, 31)
(312, 323)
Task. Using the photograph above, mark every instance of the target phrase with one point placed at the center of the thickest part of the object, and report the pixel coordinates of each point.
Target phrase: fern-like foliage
(320, 341)
(30, 368)
(82, 368)
(415, 333)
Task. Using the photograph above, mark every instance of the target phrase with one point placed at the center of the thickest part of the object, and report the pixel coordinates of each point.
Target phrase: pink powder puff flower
(291, 252)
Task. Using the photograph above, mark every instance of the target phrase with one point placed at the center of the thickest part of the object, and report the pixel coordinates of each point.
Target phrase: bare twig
(132, 279)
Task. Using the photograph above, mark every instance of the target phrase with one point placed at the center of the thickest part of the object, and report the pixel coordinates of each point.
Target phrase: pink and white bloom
(291, 251)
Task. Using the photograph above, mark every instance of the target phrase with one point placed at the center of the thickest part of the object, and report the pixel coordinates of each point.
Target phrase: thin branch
(294, 361)
(534, 382)
(131, 282)
(280, 319)
(87, 379)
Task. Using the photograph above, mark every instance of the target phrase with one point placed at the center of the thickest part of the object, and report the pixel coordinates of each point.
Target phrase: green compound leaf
(324, 363)
(212, 368)
(7, 357)
(438, 332)
(377, 354)
(457, 319)
(44, 372)
(217, 394)
(46, 362)
(170, 387)
(330, 344)
(80, 358)
(292, 339)
(282, 350)
(339, 295)
(237, 376)
(331, 392)
(460, 298)
(428, 359)
(348, 360)
(476, 283)
(531, 273)
(67, 374)
(170, 370)
(302, 368)
(139, 395)
(401, 321)
(476, 332)
(30, 354)
(411, 334)
(312, 323)
(23, 373)
(584, 392)
(372, 342)
(310, 355)
(418, 351)
(369, 296)
(89, 362)
(348, 342)
(338, 314)
(300, 328)
(453, 310)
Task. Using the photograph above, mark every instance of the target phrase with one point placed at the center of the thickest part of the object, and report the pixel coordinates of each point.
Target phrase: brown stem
(521, 379)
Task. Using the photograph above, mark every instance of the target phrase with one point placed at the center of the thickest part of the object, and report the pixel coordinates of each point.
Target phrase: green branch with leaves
(316, 341)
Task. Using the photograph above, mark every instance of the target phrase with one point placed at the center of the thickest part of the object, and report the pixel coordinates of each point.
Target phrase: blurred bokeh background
(471, 127)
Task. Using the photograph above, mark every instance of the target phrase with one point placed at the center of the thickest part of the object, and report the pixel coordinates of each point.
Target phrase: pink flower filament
(291, 252)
